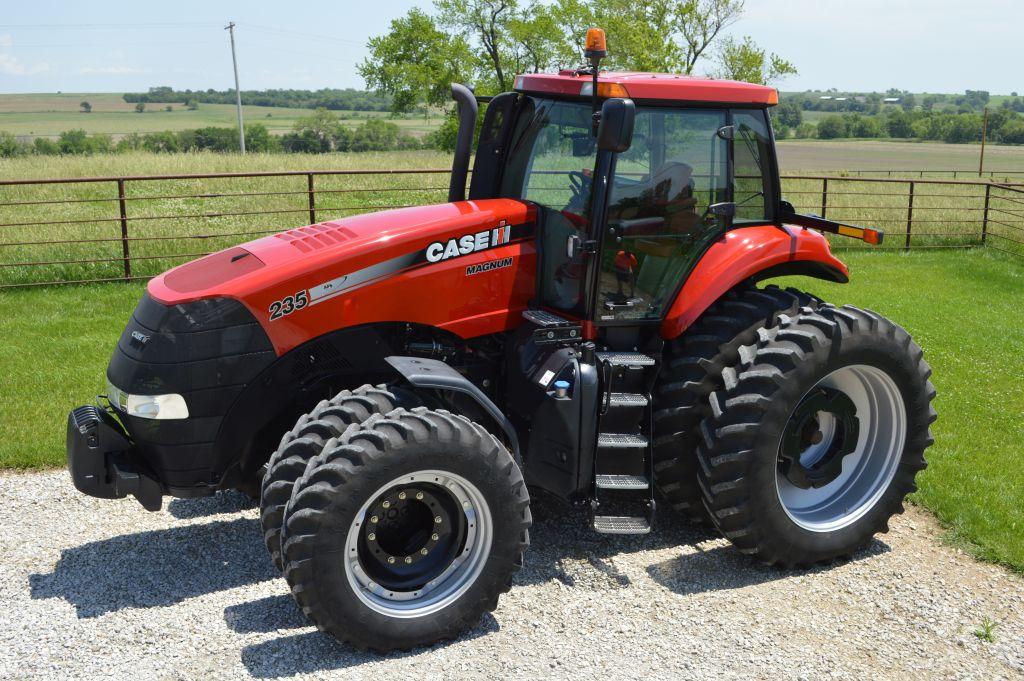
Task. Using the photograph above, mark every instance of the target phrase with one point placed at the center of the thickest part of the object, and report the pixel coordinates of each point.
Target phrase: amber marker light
(596, 45)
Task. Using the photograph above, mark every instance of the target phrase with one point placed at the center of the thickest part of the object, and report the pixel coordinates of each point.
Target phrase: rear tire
(367, 559)
(816, 436)
(693, 370)
(328, 420)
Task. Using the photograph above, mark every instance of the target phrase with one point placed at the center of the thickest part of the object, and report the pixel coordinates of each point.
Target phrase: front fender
(745, 253)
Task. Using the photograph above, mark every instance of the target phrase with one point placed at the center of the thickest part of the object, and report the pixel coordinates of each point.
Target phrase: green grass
(47, 115)
(962, 307)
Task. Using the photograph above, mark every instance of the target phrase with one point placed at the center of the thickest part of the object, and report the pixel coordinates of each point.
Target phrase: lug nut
(419, 495)
(373, 519)
(391, 559)
(371, 536)
(434, 536)
(437, 519)
(408, 559)
(386, 504)
(401, 495)
(423, 552)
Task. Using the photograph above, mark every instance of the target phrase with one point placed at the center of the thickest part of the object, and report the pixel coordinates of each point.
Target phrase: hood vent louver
(315, 237)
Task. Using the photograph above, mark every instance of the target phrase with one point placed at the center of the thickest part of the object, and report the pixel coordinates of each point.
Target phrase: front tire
(311, 433)
(406, 530)
(817, 436)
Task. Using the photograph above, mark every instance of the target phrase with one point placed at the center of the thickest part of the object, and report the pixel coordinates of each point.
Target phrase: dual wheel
(803, 431)
(394, 527)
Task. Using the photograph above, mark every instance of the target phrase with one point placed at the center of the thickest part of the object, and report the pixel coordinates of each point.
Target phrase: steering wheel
(580, 183)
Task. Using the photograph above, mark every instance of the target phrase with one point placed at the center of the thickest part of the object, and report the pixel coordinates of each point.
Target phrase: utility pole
(984, 134)
(230, 28)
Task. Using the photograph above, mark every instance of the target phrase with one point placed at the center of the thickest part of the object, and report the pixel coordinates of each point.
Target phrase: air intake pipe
(467, 109)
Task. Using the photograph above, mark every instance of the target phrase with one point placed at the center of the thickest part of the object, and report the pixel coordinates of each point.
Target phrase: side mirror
(615, 132)
(725, 210)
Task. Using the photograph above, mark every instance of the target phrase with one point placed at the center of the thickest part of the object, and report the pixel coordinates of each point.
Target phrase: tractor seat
(667, 193)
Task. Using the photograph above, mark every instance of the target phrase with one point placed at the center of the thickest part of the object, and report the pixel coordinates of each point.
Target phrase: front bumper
(102, 460)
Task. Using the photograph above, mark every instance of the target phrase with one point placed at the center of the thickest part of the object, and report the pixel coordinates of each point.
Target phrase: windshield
(551, 158)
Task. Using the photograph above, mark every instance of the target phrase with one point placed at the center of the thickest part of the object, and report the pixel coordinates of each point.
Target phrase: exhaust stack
(467, 109)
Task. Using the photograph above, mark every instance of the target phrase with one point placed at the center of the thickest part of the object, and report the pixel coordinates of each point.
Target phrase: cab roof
(652, 86)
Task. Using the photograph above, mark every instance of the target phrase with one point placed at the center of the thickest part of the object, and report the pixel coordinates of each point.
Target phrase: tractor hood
(279, 276)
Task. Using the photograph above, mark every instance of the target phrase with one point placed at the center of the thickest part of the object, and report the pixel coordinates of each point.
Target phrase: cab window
(752, 183)
(659, 220)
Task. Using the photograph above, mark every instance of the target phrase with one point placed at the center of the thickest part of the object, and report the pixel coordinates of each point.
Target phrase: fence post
(312, 198)
(984, 220)
(910, 214)
(124, 230)
(824, 195)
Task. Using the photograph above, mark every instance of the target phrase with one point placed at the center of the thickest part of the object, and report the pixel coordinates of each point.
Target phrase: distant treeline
(873, 102)
(1004, 125)
(348, 99)
(373, 135)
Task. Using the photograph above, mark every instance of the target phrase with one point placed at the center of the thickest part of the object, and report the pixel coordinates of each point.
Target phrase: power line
(179, 24)
(302, 34)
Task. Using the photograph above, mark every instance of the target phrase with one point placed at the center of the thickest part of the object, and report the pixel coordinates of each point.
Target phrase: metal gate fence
(95, 229)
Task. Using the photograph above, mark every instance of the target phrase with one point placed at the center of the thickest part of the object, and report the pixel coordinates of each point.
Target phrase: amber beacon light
(596, 45)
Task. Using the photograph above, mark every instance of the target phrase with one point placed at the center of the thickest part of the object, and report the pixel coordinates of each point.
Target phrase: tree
(321, 131)
(415, 62)
(909, 101)
(831, 127)
(86, 107)
(899, 125)
(486, 42)
(747, 62)
(140, 107)
(375, 134)
(789, 113)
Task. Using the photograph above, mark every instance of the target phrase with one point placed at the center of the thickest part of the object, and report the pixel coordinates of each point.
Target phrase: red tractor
(587, 323)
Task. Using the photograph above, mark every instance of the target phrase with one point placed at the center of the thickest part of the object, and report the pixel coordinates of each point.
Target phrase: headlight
(170, 406)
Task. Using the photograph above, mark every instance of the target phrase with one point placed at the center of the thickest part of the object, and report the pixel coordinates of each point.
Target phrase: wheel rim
(418, 543)
(841, 448)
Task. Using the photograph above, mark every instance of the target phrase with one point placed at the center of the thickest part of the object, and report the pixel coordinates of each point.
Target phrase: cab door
(659, 220)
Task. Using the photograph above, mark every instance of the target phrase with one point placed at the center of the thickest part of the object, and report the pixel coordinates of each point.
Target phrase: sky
(118, 45)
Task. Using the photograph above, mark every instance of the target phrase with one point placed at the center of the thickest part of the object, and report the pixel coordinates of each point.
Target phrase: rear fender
(754, 253)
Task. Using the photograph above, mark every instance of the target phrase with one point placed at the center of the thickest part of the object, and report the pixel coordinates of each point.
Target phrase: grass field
(962, 307)
(841, 155)
(48, 115)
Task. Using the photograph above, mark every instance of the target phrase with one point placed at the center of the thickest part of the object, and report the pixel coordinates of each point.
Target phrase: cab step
(621, 482)
(620, 524)
(621, 441)
(627, 400)
(630, 359)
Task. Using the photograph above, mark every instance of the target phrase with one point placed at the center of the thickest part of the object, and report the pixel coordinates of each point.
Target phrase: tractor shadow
(157, 567)
(226, 501)
(564, 548)
(314, 653)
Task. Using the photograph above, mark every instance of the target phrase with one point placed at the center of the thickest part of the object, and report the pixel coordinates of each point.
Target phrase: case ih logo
(470, 243)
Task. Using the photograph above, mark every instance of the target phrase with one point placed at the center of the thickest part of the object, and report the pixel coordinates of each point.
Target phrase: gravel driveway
(95, 588)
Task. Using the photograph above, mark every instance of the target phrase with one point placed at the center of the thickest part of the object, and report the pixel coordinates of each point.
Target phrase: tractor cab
(632, 177)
